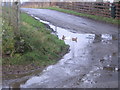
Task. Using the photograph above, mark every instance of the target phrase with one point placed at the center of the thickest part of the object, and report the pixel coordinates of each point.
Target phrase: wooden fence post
(16, 18)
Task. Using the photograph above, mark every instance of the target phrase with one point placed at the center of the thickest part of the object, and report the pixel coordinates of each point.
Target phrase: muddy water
(91, 62)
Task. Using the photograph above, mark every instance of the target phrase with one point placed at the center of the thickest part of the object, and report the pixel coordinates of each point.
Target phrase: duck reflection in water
(66, 38)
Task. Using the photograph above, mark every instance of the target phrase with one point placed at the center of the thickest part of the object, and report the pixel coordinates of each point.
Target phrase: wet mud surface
(92, 61)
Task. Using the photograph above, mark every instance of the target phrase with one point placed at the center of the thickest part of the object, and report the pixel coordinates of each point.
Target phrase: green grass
(100, 18)
(42, 47)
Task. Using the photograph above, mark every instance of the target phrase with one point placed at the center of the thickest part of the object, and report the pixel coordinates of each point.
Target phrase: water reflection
(108, 64)
(69, 65)
(78, 44)
(73, 63)
(97, 38)
(104, 38)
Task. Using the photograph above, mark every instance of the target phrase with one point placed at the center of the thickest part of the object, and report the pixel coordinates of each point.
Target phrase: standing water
(85, 63)
(70, 65)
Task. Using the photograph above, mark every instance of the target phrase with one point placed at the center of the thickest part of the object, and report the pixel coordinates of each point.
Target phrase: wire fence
(111, 10)
(105, 9)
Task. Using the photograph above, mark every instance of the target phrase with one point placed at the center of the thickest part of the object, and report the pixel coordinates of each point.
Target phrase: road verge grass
(99, 18)
(41, 48)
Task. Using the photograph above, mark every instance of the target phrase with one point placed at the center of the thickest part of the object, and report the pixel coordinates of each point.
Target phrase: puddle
(114, 54)
(61, 32)
(106, 58)
(74, 62)
(108, 68)
(108, 64)
(78, 43)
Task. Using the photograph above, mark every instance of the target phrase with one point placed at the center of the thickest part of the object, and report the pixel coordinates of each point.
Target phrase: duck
(63, 37)
(68, 38)
(74, 39)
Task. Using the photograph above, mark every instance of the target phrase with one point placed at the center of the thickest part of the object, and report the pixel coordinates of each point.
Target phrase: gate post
(113, 10)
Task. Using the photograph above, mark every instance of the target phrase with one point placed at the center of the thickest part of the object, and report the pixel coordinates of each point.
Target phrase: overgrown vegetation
(39, 46)
(100, 18)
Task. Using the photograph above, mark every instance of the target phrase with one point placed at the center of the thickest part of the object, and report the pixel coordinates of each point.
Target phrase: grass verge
(41, 47)
(99, 18)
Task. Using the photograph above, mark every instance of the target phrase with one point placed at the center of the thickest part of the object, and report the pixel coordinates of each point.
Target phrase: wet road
(92, 60)
(72, 22)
